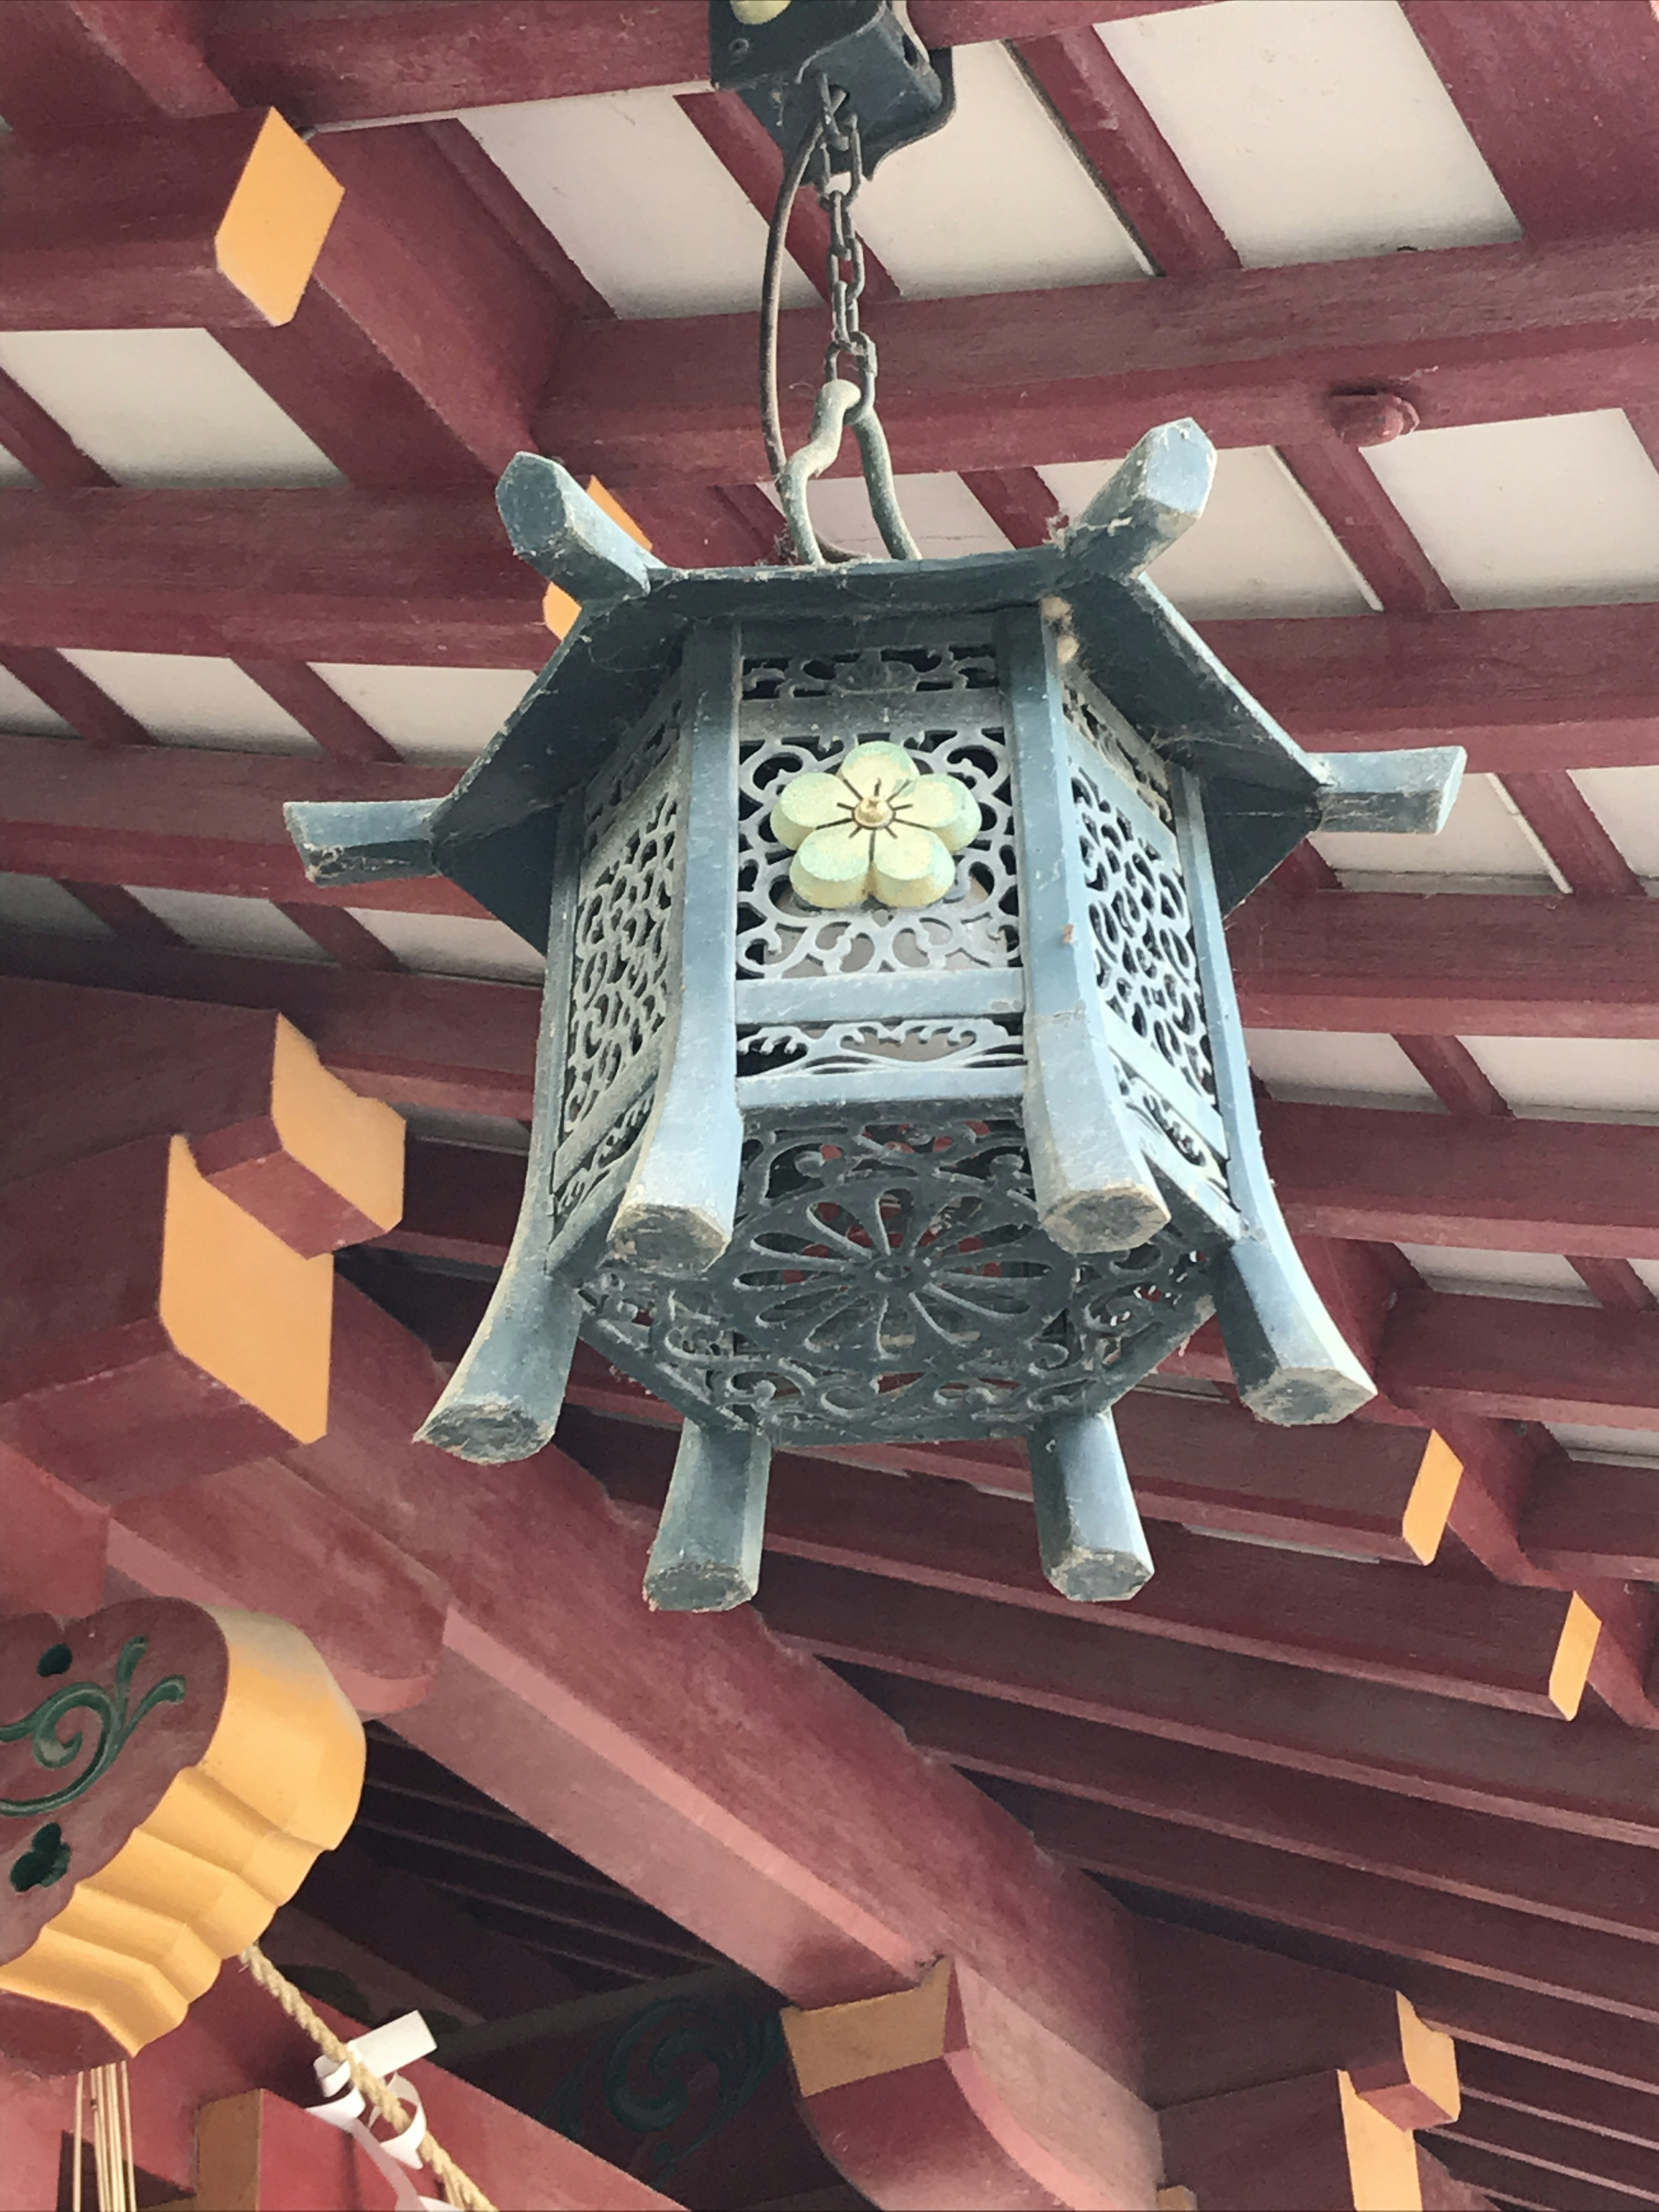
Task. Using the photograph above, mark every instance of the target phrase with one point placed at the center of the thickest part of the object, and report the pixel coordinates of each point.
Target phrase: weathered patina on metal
(865, 1171)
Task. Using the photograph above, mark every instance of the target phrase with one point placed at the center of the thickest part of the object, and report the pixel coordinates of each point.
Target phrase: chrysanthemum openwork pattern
(892, 1279)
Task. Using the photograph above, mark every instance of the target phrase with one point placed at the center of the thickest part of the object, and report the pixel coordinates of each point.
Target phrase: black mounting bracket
(899, 91)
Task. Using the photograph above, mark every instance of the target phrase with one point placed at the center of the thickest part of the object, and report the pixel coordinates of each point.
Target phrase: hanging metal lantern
(891, 1082)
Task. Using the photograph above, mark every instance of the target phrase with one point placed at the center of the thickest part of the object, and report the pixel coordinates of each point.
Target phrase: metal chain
(837, 192)
(835, 164)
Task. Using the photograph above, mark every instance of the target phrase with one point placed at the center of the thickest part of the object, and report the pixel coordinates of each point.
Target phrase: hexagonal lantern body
(867, 1172)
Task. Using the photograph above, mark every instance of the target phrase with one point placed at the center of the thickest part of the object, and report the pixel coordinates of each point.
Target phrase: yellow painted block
(1581, 1632)
(618, 514)
(1381, 2158)
(241, 1305)
(270, 235)
(354, 1144)
(1430, 1505)
(559, 609)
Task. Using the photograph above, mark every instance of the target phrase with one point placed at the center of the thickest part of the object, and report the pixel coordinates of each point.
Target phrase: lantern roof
(492, 832)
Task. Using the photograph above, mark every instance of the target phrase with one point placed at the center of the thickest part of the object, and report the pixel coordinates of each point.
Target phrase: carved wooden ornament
(169, 1773)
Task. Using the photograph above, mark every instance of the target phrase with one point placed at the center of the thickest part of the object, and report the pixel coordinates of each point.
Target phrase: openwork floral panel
(891, 1278)
(802, 711)
(821, 1050)
(618, 999)
(1146, 962)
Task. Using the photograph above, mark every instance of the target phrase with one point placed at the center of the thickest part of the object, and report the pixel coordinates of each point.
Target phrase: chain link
(835, 167)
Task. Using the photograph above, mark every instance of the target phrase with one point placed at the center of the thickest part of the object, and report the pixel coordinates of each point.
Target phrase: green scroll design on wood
(649, 2076)
(53, 1751)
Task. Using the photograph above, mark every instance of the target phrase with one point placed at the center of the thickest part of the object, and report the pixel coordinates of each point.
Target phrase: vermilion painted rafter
(1520, 1361)
(424, 576)
(339, 62)
(1475, 966)
(420, 1040)
(1558, 97)
(1592, 1781)
(1485, 1940)
(1557, 2148)
(1470, 334)
(216, 220)
(1488, 1183)
(419, 576)
(1394, 1625)
(171, 817)
(1526, 2087)
(1573, 1882)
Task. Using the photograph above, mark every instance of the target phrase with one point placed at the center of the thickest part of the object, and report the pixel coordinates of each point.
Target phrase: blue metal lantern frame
(878, 1174)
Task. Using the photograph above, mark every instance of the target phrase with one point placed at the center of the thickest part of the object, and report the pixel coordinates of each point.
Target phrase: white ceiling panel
(1260, 548)
(1617, 1077)
(1543, 512)
(13, 472)
(163, 407)
(37, 903)
(997, 201)
(454, 945)
(1627, 801)
(1482, 839)
(21, 712)
(1318, 1067)
(1315, 130)
(944, 517)
(194, 699)
(1625, 1447)
(1538, 1275)
(219, 924)
(639, 201)
(435, 712)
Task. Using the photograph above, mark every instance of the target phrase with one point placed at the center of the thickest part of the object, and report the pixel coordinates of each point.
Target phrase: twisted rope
(458, 2187)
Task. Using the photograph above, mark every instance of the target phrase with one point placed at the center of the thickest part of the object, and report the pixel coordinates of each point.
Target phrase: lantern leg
(676, 1213)
(706, 1557)
(1095, 1191)
(1089, 1532)
(1292, 1362)
(504, 1400)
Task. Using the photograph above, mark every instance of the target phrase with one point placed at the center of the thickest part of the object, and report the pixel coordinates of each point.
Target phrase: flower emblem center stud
(880, 827)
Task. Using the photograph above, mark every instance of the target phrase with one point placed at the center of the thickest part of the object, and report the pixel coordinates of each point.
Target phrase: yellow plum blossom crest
(880, 827)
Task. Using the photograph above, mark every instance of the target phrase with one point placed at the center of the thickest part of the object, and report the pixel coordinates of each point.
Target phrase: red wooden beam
(1521, 1361)
(1475, 966)
(59, 684)
(171, 817)
(1489, 1184)
(1485, 1940)
(343, 62)
(1568, 1882)
(1521, 2085)
(1556, 97)
(1581, 2038)
(1521, 2182)
(424, 576)
(47, 451)
(216, 220)
(1472, 334)
(1573, 834)
(1558, 2148)
(1512, 1648)
(1521, 690)
(416, 576)
(1592, 1783)
(1587, 1518)
(611, 1728)
(421, 1040)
